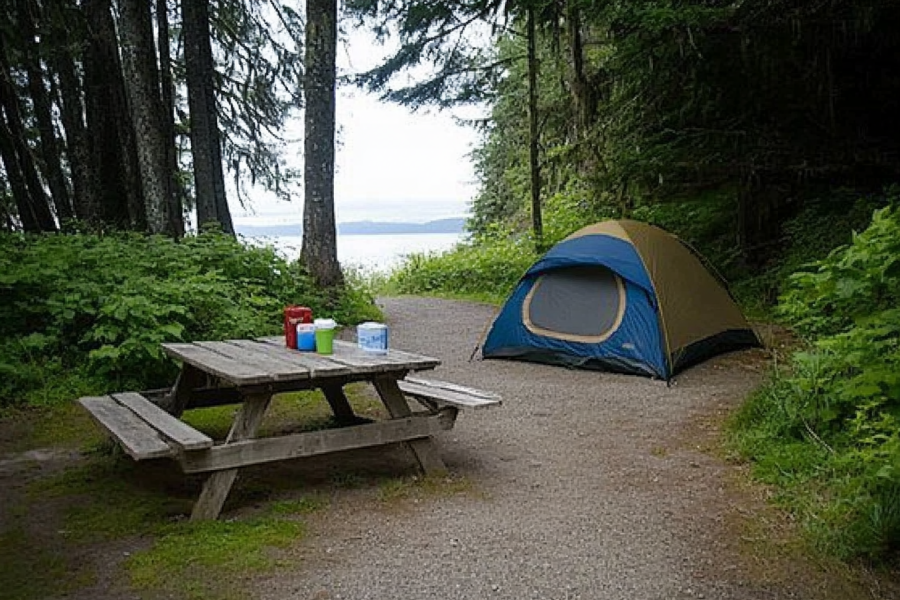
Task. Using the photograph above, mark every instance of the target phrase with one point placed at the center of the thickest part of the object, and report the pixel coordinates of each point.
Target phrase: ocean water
(371, 253)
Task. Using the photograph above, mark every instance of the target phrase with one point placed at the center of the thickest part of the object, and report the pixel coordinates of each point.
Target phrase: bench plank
(137, 438)
(446, 385)
(178, 431)
(448, 393)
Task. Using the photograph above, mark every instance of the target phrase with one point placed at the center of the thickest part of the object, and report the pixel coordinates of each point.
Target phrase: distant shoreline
(452, 225)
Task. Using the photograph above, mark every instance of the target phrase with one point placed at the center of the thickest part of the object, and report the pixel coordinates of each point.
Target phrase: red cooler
(292, 316)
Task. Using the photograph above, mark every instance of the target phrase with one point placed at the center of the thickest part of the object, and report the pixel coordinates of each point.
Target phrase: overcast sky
(392, 164)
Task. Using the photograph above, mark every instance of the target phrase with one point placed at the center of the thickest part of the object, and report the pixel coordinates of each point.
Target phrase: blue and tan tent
(621, 296)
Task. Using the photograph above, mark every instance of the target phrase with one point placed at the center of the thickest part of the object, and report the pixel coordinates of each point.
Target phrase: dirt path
(586, 485)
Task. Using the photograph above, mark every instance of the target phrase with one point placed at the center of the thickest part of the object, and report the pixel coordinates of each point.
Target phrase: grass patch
(58, 426)
(211, 560)
(108, 499)
(289, 412)
(416, 486)
(841, 510)
(33, 572)
(113, 500)
(57, 516)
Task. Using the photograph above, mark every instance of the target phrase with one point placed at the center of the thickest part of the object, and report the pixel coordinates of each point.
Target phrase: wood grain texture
(445, 385)
(338, 402)
(276, 367)
(316, 366)
(179, 432)
(453, 396)
(312, 443)
(137, 438)
(189, 379)
(229, 369)
(218, 484)
(424, 450)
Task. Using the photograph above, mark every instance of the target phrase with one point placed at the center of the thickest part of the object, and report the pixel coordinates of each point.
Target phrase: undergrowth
(87, 313)
(826, 430)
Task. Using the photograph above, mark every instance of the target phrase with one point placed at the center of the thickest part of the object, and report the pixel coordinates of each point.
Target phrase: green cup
(324, 335)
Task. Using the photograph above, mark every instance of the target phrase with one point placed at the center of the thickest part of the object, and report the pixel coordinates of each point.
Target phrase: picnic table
(249, 373)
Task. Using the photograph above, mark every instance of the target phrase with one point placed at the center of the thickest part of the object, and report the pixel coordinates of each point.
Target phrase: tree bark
(209, 179)
(16, 179)
(582, 94)
(537, 224)
(38, 204)
(49, 146)
(109, 127)
(167, 89)
(71, 108)
(319, 251)
(145, 109)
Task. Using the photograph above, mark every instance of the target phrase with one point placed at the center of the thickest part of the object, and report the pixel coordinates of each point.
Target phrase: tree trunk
(209, 179)
(537, 224)
(582, 94)
(16, 179)
(111, 137)
(319, 251)
(167, 89)
(71, 109)
(145, 109)
(21, 153)
(50, 152)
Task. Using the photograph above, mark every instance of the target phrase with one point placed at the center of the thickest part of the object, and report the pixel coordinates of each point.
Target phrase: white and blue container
(306, 337)
(372, 337)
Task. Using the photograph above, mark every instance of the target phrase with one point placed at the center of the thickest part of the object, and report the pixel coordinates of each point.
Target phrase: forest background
(762, 133)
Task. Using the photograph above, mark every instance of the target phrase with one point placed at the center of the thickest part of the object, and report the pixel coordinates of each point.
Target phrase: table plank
(222, 366)
(349, 354)
(399, 356)
(317, 366)
(394, 360)
(344, 359)
(251, 355)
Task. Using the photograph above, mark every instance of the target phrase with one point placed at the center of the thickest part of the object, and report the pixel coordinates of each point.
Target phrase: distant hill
(452, 225)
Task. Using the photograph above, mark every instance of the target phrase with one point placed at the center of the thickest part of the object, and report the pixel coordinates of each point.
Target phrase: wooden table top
(267, 360)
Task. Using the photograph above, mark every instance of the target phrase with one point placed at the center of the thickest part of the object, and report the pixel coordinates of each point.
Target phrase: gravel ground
(585, 485)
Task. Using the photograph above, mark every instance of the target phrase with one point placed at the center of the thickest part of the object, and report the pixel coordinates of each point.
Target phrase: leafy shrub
(97, 307)
(828, 431)
(488, 269)
(852, 283)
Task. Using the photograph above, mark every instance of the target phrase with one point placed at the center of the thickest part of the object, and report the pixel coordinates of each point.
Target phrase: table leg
(343, 412)
(217, 485)
(189, 379)
(424, 450)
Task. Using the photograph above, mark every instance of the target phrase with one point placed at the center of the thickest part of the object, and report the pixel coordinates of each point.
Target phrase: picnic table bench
(250, 372)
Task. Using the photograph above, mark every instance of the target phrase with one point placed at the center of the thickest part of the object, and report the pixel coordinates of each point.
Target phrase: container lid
(325, 323)
(372, 325)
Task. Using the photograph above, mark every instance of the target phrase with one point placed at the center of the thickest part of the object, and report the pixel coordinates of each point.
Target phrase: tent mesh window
(578, 304)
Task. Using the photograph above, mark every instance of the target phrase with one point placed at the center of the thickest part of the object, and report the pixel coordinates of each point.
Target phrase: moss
(212, 560)
(33, 572)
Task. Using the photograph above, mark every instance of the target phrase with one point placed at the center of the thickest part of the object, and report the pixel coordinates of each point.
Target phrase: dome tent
(621, 296)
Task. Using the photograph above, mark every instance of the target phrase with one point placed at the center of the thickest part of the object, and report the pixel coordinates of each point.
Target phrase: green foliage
(828, 431)
(487, 270)
(853, 283)
(91, 311)
(183, 557)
